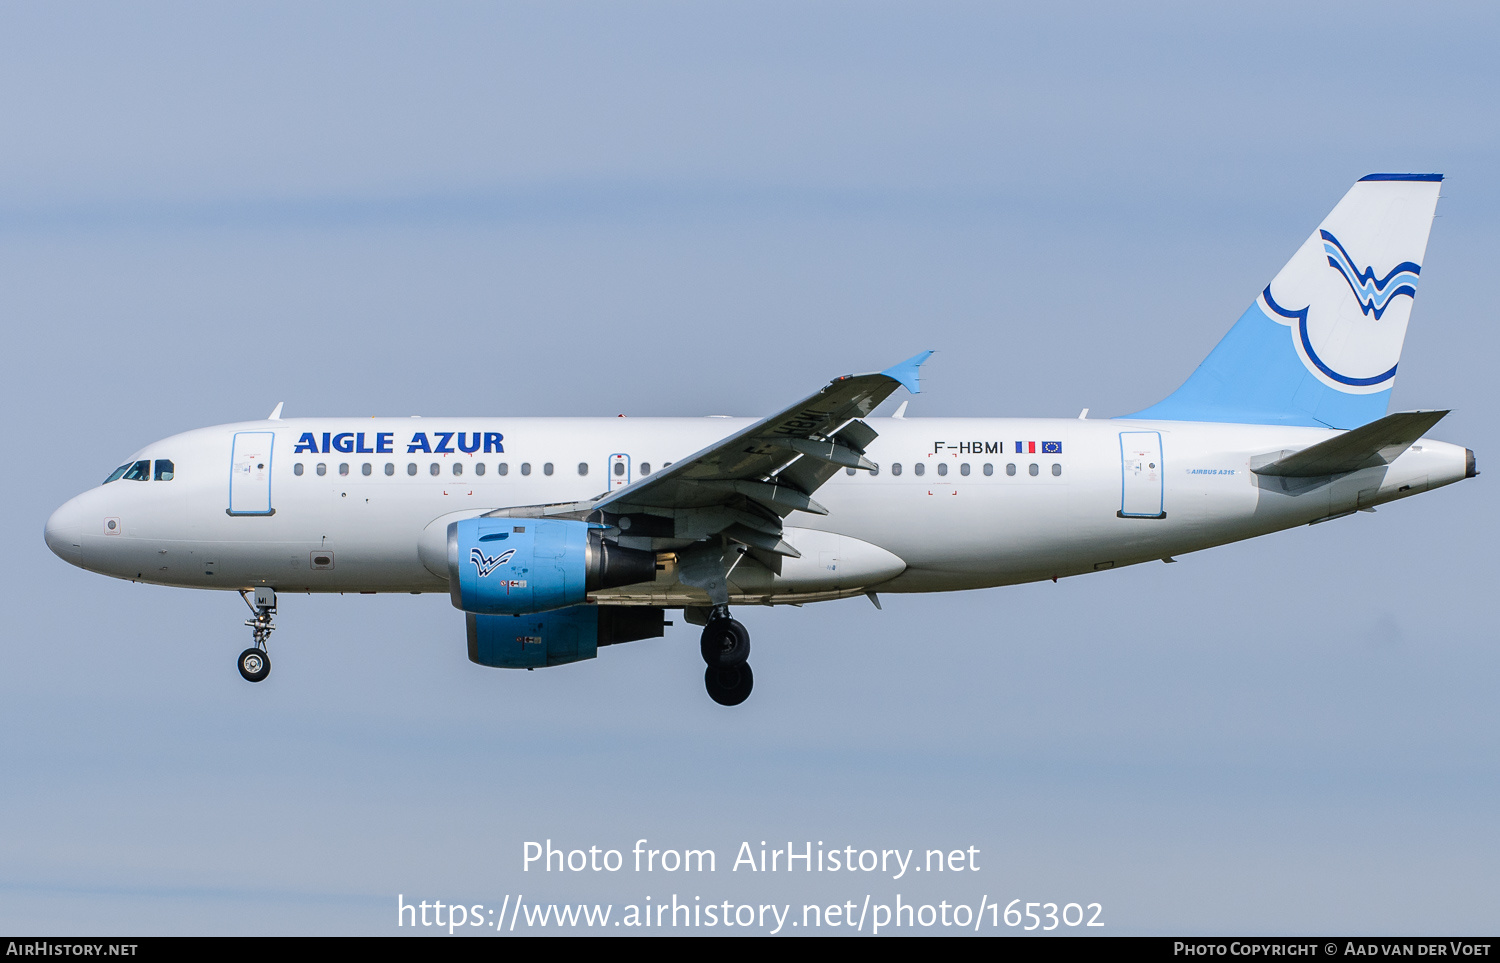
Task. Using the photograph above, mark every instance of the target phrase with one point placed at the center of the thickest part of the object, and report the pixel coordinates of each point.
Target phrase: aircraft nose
(65, 533)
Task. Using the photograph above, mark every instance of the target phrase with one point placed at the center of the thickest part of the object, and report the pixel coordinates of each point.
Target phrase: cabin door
(250, 473)
(1142, 479)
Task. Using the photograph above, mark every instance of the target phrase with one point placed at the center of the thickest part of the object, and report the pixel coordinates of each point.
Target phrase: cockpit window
(164, 469)
(118, 473)
(140, 471)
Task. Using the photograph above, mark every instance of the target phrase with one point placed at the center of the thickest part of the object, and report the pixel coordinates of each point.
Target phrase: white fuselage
(1091, 495)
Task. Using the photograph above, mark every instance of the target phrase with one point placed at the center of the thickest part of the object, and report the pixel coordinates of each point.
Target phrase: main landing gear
(726, 647)
(255, 664)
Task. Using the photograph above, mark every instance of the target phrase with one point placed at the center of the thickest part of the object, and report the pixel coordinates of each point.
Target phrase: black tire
(255, 665)
(729, 687)
(725, 644)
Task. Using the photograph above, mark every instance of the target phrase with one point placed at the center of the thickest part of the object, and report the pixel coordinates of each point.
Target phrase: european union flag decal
(1052, 448)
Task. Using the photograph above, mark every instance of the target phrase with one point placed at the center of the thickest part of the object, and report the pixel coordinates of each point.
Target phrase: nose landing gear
(255, 664)
(726, 647)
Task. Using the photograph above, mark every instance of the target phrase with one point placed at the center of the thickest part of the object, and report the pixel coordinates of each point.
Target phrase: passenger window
(666, 464)
(619, 468)
(322, 469)
(525, 467)
(458, 468)
(140, 471)
(164, 470)
(1033, 469)
(583, 468)
(896, 468)
(1056, 469)
(547, 468)
(942, 468)
(920, 468)
(297, 468)
(390, 469)
(117, 474)
(1010, 469)
(365, 469)
(434, 468)
(989, 469)
(874, 471)
(849, 472)
(411, 468)
(479, 468)
(963, 469)
(645, 468)
(344, 468)
(503, 468)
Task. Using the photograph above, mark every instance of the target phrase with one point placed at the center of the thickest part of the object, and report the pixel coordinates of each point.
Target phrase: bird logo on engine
(488, 563)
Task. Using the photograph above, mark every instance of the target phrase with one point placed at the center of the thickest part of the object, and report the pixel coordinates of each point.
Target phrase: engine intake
(516, 566)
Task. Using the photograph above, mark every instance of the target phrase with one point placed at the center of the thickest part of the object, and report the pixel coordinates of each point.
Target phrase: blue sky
(681, 209)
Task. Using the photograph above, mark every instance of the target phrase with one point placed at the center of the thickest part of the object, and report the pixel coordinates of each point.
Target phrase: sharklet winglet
(908, 372)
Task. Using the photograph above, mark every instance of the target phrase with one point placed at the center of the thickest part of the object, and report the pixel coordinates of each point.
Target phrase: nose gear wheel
(255, 665)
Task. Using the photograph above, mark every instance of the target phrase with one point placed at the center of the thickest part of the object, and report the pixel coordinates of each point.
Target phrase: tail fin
(1319, 346)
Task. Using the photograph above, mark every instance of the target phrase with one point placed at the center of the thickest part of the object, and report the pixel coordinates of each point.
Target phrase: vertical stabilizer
(1320, 345)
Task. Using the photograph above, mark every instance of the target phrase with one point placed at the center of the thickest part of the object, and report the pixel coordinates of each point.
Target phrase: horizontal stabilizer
(1369, 446)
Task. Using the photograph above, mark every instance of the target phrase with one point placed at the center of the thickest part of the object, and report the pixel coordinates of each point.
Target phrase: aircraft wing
(744, 485)
(773, 467)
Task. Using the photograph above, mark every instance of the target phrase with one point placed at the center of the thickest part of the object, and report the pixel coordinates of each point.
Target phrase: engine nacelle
(515, 566)
(557, 638)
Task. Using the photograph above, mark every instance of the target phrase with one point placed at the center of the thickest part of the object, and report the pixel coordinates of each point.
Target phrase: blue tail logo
(1374, 294)
(1301, 354)
(488, 563)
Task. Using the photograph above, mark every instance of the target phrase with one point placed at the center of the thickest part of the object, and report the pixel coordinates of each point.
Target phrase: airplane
(558, 536)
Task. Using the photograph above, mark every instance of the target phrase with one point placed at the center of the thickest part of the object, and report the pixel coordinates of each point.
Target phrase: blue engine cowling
(515, 566)
(557, 638)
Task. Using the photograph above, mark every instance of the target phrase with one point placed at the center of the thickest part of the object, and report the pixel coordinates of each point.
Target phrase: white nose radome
(65, 533)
